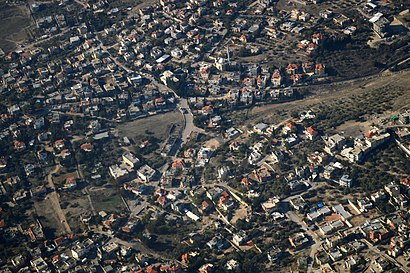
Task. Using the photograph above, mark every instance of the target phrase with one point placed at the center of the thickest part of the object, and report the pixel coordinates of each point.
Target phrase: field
(15, 23)
(157, 126)
(73, 205)
(340, 103)
(106, 199)
(48, 217)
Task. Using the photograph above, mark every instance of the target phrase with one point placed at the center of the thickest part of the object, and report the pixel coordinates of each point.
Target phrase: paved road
(189, 121)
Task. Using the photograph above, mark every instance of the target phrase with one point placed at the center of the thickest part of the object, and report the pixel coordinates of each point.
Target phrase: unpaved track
(55, 201)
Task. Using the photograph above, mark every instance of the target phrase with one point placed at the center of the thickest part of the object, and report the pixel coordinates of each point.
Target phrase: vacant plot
(240, 213)
(353, 128)
(330, 194)
(73, 205)
(213, 143)
(358, 220)
(106, 199)
(158, 126)
(260, 58)
(48, 217)
(15, 22)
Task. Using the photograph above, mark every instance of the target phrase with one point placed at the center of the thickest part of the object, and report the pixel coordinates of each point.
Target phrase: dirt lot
(15, 22)
(73, 205)
(240, 213)
(213, 143)
(48, 217)
(106, 199)
(157, 126)
(351, 128)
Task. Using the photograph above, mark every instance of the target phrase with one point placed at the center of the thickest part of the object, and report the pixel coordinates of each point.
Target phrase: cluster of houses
(98, 253)
(130, 166)
(85, 81)
(344, 244)
(166, 37)
(78, 78)
(384, 24)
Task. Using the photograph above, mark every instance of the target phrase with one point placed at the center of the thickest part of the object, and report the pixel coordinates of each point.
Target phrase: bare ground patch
(157, 126)
(107, 199)
(61, 177)
(73, 205)
(15, 22)
(48, 217)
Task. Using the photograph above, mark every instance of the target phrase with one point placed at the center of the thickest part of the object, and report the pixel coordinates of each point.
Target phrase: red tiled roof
(159, 100)
(290, 125)
(320, 66)
(292, 66)
(311, 131)
(405, 181)
(86, 146)
(178, 163)
(152, 269)
(71, 180)
(207, 108)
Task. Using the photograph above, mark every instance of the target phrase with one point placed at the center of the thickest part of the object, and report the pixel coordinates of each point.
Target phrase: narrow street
(188, 118)
(317, 243)
(387, 257)
(294, 218)
(135, 244)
